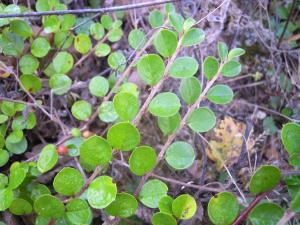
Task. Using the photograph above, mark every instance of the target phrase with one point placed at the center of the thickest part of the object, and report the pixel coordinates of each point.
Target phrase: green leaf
(3, 118)
(67, 22)
(48, 158)
(20, 207)
(190, 89)
(17, 175)
(102, 50)
(101, 192)
(129, 88)
(51, 24)
(17, 148)
(106, 112)
(176, 21)
(117, 61)
(79, 212)
(123, 136)
(8, 108)
(192, 37)
(49, 206)
(180, 155)
(222, 50)
(152, 191)
(97, 31)
(220, 94)
(126, 105)
(38, 190)
(3, 181)
(269, 125)
(68, 181)
(63, 62)
(60, 84)
(63, 40)
(28, 64)
(231, 69)
(21, 28)
(266, 213)
(184, 67)
(142, 160)
(184, 207)
(210, 67)
(290, 137)
(188, 24)
(4, 157)
(98, 86)
(151, 69)
(106, 21)
(95, 151)
(156, 19)
(236, 52)
(164, 105)
(124, 206)
(170, 7)
(115, 35)
(82, 43)
(223, 208)
(165, 205)
(15, 136)
(31, 83)
(6, 198)
(264, 179)
(21, 122)
(202, 120)
(169, 125)
(11, 44)
(40, 47)
(137, 39)
(295, 203)
(81, 110)
(165, 42)
(160, 218)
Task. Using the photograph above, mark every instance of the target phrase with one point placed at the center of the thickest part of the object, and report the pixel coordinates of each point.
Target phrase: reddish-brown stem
(245, 213)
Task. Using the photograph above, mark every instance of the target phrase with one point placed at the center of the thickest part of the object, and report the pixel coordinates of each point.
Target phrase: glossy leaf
(190, 89)
(49, 206)
(165, 205)
(6, 198)
(4, 157)
(40, 47)
(117, 61)
(17, 148)
(210, 67)
(193, 36)
(98, 86)
(63, 62)
(137, 39)
(47, 159)
(102, 50)
(17, 175)
(231, 69)
(28, 64)
(160, 218)
(126, 105)
(220, 94)
(236, 52)
(60, 84)
(176, 21)
(82, 43)
(165, 42)
(222, 50)
(97, 31)
(81, 110)
(78, 212)
(31, 83)
(290, 137)
(202, 120)
(21, 28)
(184, 207)
(20, 207)
(156, 19)
(164, 105)
(266, 213)
(169, 125)
(106, 112)
(184, 67)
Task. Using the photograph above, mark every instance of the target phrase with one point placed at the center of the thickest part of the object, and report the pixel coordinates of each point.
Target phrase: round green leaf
(151, 68)
(117, 61)
(106, 112)
(210, 67)
(152, 192)
(231, 69)
(3, 181)
(165, 205)
(123, 136)
(295, 203)
(115, 34)
(17, 175)
(184, 207)
(137, 39)
(190, 89)
(290, 137)
(266, 213)
(48, 158)
(67, 22)
(68, 181)
(31, 83)
(15, 136)
(63, 62)
(193, 36)
(142, 160)
(3, 118)
(236, 52)
(156, 19)
(164, 105)
(21, 28)
(4, 157)
(20, 207)
(40, 47)
(102, 50)
(163, 218)
(106, 21)
(220, 94)
(81, 110)
(8, 108)
(188, 24)
(63, 40)
(180, 155)
(202, 120)
(99, 86)
(95, 151)
(223, 208)
(17, 148)
(169, 125)
(97, 31)
(6, 198)
(49, 206)
(165, 42)
(38, 190)
(28, 64)
(176, 21)
(183, 67)
(60, 84)
(20, 122)
(51, 24)
(264, 179)
(126, 105)
(101, 192)
(82, 43)
(79, 212)
(124, 206)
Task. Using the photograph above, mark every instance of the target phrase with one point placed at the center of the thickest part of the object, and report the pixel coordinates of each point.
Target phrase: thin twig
(288, 215)
(85, 11)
